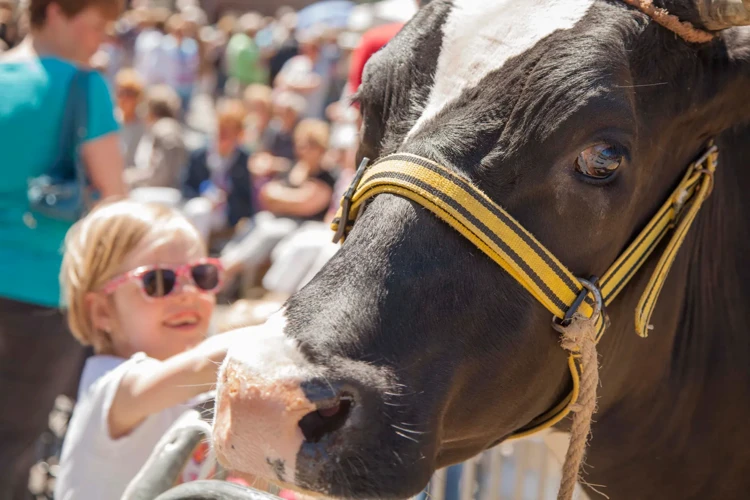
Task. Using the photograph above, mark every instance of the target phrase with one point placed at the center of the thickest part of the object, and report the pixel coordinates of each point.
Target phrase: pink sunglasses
(159, 281)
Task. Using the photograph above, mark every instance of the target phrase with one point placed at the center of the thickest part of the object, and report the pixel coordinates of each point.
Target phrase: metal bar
(496, 473)
(522, 453)
(437, 485)
(468, 479)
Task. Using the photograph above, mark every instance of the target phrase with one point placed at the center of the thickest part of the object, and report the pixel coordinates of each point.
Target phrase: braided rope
(683, 29)
(579, 338)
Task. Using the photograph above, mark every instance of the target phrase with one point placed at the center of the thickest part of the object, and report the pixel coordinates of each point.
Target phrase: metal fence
(524, 470)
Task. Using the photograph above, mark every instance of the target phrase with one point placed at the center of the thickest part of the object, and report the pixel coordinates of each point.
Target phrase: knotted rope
(579, 338)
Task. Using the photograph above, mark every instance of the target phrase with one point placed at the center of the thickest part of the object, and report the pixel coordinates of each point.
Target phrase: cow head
(411, 350)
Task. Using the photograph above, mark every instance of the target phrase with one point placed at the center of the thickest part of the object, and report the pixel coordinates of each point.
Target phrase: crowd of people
(209, 157)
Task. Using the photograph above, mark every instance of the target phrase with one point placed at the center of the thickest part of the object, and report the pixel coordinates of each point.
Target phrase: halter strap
(683, 29)
(503, 239)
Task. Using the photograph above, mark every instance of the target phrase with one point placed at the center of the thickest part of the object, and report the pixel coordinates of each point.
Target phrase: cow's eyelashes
(600, 162)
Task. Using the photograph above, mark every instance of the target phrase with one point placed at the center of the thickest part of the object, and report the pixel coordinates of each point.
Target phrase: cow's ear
(717, 15)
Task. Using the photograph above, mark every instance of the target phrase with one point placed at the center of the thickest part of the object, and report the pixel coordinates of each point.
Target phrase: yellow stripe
(458, 221)
(648, 300)
(550, 287)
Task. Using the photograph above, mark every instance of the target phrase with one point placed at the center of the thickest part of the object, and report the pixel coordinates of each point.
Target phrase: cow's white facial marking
(480, 36)
(260, 401)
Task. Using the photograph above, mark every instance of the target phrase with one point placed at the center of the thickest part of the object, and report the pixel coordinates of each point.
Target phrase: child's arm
(152, 386)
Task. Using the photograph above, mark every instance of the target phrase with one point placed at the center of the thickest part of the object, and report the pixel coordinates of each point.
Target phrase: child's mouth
(183, 320)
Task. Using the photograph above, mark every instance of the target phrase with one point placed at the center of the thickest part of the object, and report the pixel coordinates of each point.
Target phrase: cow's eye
(599, 162)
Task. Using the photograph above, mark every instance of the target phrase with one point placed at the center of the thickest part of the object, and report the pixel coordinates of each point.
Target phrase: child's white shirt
(93, 465)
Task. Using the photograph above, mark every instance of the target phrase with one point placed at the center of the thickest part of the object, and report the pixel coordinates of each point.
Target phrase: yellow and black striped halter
(496, 233)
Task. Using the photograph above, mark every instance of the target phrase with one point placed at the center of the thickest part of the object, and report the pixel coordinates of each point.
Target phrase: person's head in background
(176, 26)
(7, 25)
(195, 19)
(311, 139)
(71, 29)
(250, 24)
(161, 102)
(230, 122)
(288, 107)
(121, 312)
(227, 25)
(258, 101)
(159, 18)
(129, 93)
(310, 42)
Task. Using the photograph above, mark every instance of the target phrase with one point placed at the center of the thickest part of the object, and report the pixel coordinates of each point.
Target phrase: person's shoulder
(99, 368)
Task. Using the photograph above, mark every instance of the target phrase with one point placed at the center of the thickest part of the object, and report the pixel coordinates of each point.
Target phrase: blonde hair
(313, 131)
(231, 111)
(130, 79)
(96, 246)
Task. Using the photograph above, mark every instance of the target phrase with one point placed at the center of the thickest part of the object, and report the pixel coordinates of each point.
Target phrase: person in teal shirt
(38, 358)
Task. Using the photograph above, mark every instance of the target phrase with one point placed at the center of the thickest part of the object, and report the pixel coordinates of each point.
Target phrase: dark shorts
(39, 360)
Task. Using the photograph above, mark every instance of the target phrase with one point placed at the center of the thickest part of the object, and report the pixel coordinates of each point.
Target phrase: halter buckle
(589, 286)
(346, 200)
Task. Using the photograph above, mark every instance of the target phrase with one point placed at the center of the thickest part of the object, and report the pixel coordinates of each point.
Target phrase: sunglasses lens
(159, 282)
(206, 276)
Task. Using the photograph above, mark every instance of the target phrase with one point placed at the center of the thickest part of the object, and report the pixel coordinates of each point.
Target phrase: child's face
(128, 100)
(309, 152)
(228, 137)
(161, 327)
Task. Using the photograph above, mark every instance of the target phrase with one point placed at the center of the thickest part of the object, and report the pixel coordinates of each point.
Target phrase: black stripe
(468, 215)
(646, 254)
(624, 281)
(668, 263)
(640, 238)
(575, 287)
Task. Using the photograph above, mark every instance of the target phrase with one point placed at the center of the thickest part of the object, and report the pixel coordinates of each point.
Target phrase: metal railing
(524, 470)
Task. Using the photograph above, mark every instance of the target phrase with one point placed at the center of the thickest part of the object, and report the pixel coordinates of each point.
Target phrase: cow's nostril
(317, 424)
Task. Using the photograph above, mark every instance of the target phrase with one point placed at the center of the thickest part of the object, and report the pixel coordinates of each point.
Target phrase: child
(219, 175)
(140, 290)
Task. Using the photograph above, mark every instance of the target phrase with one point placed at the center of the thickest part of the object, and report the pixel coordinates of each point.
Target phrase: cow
(411, 350)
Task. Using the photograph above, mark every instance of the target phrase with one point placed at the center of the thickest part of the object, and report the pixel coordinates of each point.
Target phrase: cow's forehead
(479, 37)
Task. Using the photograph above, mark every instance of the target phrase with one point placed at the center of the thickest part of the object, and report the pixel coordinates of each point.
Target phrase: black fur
(436, 339)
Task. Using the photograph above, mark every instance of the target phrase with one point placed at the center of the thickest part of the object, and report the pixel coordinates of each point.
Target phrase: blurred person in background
(284, 39)
(8, 27)
(129, 88)
(308, 73)
(224, 29)
(258, 103)
(301, 194)
(245, 64)
(147, 58)
(217, 181)
(276, 153)
(278, 139)
(38, 359)
(161, 152)
(372, 41)
(179, 54)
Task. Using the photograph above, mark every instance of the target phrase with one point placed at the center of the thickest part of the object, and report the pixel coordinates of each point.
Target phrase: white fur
(479, 36)
(265, 352)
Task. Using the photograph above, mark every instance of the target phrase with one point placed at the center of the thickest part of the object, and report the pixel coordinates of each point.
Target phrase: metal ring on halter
(588, 286)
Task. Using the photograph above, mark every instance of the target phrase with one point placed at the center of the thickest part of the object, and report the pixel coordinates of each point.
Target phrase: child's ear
(100, 311)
